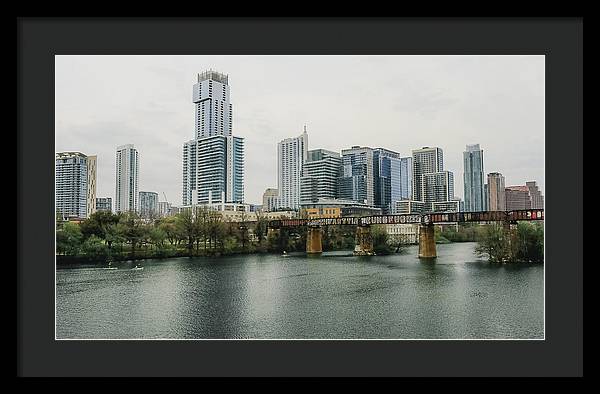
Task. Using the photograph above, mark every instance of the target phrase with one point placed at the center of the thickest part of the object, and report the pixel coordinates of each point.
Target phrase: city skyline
(426, 108)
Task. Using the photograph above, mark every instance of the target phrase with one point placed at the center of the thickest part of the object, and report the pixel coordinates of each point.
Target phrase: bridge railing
(446, 217)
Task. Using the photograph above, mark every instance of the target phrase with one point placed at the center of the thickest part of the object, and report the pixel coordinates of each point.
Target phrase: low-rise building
(408, 207)
(342, 207)
(445, 206)
(104, 204)
(403, 233)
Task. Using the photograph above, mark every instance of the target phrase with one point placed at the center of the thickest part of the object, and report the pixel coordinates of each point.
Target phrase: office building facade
(517, 197)
(537, 199)
(320, 174)
(357, 182)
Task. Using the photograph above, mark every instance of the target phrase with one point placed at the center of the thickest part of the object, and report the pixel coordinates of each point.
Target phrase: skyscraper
(320, 175)
(75, 184)
(291, 155)
(425, 161)
(213, 162)
(91, 189)
(386, 169)
(406, 178)
(213, 109)
(517, 197)
(357, 182)
(127, 174)
(495, 191)
(148, 205)
(473, 178)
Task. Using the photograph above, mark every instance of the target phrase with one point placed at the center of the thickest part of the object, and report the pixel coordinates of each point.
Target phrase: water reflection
(335, 295)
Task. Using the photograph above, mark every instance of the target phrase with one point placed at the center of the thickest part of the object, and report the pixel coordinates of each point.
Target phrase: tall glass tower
(213, 162)
(357, 181)
(473, 178)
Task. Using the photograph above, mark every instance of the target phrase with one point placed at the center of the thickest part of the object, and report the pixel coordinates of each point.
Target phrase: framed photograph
(302, 205)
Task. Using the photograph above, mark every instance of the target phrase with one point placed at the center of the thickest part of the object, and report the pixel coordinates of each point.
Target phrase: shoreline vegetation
(105, 237)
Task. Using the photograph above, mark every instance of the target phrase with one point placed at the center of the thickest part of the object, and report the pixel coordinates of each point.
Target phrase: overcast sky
(395, 102)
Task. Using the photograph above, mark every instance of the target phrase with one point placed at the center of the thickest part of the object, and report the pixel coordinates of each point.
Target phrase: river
(334, 296)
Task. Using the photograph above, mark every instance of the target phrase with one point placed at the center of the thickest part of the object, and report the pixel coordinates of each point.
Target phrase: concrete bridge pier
(314, 240)
(364, 241)
(427, 241)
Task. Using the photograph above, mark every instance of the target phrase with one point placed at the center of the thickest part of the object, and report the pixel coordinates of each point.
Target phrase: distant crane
(165, 196)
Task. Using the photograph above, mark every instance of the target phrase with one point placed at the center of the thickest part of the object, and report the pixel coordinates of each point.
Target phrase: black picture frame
(560, 40)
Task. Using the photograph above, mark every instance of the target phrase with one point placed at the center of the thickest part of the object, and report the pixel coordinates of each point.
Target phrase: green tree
(69, 239)
(114, 234)
(97, 223)
(381, 244)
(94, 247)
(187, 228)
(133, 230)
(530, 242)
(494, 244)
(260, 229)
(230, 244)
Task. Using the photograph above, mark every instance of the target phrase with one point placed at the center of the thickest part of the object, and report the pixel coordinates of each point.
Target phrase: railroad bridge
(427, 249)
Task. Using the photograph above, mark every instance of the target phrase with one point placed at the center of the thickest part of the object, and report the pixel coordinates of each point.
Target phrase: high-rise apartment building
(320, 174)
(104, 204)
(214, 112)
(473, 178)
(213, 162)
(291, 155)
(496, 192)
(127, 174)
(437, 187)
(91, 189)
(357, 182)
(148, 205)
(75, 184)
(425, 161)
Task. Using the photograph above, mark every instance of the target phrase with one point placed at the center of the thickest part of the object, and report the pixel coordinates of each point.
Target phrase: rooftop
(213, 75)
